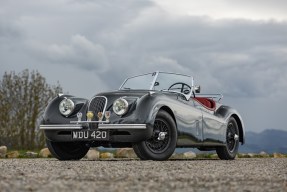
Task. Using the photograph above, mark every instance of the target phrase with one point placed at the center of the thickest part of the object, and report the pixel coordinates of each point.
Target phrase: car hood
(125, 93)
(113, 95)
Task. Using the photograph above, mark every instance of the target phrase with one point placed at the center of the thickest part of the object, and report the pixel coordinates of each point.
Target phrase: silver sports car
(154, 113)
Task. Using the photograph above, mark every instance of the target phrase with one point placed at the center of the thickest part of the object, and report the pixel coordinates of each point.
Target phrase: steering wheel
(182, 88)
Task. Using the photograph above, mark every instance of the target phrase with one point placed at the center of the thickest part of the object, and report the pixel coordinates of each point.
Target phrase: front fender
(144, 111)
(52, 114)
(152, 103)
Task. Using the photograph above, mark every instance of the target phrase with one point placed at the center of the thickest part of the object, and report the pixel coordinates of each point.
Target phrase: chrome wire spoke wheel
(67, 150)
(231, 137)
(160, 140)
(229, 151)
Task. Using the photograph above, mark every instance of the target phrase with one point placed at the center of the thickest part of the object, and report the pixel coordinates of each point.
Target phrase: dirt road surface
(267, 174)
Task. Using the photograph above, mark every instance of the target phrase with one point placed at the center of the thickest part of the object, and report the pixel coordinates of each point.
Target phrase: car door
(189, 120)
(212, 126)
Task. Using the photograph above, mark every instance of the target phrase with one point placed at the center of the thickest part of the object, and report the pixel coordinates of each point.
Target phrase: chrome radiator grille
(98, 104)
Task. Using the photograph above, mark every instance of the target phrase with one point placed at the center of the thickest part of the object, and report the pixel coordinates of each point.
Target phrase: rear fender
(226, 112)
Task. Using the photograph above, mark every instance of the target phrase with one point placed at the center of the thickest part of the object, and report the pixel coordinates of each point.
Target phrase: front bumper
(118, 133)
(100, 126)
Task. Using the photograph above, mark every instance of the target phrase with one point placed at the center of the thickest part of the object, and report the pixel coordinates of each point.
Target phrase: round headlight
(120, 106)
(66, 107)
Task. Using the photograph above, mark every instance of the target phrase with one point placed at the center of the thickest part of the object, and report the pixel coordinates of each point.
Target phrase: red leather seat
(206, 102)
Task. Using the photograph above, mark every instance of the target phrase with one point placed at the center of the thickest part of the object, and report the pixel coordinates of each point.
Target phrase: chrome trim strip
(122, 126)
(100, 126)
(60, 127)
(154, 80)
(82, 122)
(212, 96)
(123, 83)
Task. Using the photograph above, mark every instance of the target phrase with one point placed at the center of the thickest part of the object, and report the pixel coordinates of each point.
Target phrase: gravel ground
(268, 174)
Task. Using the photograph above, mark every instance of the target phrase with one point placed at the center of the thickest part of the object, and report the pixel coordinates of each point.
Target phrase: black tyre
(229, 151)
(139, 153)
(163, 141)
(67, 150)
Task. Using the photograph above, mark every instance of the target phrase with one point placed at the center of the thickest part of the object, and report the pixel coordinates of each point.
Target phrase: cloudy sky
(234, 47)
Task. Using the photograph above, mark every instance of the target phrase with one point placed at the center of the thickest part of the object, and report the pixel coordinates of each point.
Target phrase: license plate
(90, 135)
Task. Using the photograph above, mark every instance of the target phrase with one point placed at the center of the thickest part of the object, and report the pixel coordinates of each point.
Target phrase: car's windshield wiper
(126, 88)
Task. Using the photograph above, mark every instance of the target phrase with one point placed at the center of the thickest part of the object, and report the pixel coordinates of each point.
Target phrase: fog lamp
(90, 115)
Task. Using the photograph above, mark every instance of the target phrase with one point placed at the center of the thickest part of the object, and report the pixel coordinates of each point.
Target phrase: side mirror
(197, 88)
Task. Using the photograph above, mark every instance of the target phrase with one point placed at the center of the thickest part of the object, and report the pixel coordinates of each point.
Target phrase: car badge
(107, 115)
(79, 116)
(100, 116)
(90, 116)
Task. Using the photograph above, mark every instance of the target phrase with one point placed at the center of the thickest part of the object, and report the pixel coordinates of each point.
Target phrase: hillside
(270, 141)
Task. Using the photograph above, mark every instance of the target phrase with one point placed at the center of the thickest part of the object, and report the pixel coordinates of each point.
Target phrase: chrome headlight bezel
(66, 107)
(120, 106)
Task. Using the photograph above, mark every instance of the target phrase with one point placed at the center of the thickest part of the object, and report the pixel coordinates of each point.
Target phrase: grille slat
(98, 104)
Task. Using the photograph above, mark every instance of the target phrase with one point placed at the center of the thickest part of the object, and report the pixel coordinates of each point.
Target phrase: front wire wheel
(67, 150)
(162, 143)
(155, 143)
(229, 151)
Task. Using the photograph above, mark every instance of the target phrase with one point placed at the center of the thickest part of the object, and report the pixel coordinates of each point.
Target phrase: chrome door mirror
(197, 88)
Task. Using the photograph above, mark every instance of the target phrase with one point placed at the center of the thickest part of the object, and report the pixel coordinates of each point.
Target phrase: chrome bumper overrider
(100, 126)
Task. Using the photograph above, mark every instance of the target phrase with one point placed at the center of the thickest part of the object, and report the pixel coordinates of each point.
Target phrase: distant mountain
(270, 141)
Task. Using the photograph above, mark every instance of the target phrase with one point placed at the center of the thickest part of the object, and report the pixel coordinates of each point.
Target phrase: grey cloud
(79, 52)
(271, 6)
(9, 32)
(145, 38)
(110, 40)
(234, 53)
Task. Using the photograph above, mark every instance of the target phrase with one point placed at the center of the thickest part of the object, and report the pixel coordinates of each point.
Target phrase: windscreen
(141, 82)
(173, 82)
(160, 81)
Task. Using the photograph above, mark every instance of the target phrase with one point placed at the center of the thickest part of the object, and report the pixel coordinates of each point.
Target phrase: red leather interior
(208, 103)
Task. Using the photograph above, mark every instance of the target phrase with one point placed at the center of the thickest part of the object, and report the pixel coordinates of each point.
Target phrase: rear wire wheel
(229, 151)
(162, 143)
